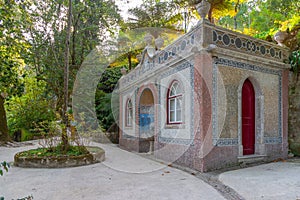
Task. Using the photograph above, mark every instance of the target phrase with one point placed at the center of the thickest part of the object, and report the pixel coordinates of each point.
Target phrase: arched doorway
(248, 118)
(146, 121)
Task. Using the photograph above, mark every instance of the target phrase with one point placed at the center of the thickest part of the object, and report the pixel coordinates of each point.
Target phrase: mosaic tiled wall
(228, 77)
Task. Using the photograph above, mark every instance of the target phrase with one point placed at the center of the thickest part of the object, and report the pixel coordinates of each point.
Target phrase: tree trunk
(129, 61)
(64, 137)
(210, 18)
(3, 122)
(235, 22)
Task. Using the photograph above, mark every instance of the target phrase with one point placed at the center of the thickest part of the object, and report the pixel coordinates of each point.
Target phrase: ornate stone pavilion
(211, 99)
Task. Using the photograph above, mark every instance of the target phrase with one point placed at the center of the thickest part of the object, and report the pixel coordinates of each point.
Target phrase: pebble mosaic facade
(211, 64)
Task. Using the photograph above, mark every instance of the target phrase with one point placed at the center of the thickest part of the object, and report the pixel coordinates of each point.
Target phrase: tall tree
(239, 19)
(153, 16)
(218, 9)
(271, 15)
(91, 21)
(263, 18)
(155, 13)
(13, 45)
(129, 43)
(64, 136)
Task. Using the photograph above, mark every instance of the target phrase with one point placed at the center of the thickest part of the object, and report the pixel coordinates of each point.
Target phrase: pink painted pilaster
(203, 89)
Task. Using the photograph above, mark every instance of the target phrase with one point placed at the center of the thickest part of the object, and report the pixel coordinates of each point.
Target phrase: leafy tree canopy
(155, 13)
(91, 21)
(13, 51)
(13, 45)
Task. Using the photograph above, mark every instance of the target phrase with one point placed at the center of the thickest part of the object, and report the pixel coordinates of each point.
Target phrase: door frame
(259, 117)
(149, 105)
(139, 92)
(248, 118)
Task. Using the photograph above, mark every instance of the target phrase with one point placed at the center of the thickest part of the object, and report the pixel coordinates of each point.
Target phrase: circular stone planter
(95, 155)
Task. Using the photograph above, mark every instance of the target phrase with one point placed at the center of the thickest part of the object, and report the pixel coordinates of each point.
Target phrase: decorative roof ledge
(234, 41)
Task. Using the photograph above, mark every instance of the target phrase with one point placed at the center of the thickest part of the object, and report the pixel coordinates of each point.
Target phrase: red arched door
(248, 118)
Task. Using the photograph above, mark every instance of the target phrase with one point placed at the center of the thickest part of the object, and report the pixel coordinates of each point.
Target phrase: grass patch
(55, 152)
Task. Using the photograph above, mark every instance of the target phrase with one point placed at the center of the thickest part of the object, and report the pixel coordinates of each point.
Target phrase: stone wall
(294, 114)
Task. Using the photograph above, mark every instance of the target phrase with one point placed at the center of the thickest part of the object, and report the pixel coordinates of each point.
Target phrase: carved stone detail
(203, 8)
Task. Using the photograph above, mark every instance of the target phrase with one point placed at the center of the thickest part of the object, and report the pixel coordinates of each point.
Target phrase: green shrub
(3, 166)
(33, 107)
(295, 61)
(103, 97)
(26, 135)
(295, 148)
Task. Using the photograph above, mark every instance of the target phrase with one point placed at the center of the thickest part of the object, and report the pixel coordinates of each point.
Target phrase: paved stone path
(124, 175)
(273, 181)
(121, 176)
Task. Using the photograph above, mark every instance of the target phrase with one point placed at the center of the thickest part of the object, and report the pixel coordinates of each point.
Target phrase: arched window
(129, 113)
(174, 104)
